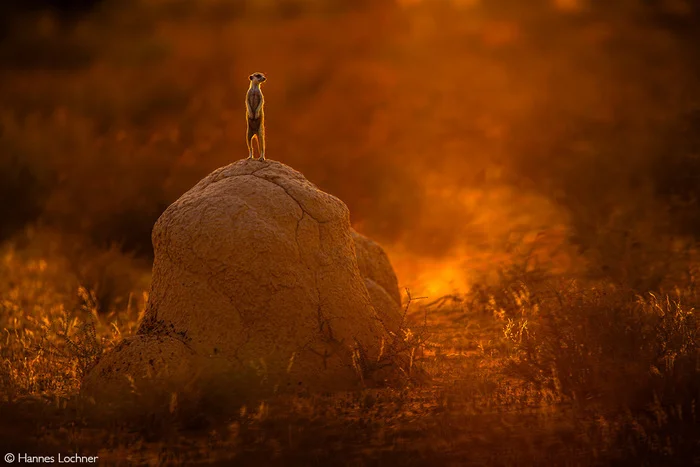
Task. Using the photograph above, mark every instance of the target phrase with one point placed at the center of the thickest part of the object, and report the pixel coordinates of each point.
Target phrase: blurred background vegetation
(455, 130)
(540, 158)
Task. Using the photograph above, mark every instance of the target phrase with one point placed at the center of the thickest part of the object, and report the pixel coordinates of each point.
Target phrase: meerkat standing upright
(254, 102)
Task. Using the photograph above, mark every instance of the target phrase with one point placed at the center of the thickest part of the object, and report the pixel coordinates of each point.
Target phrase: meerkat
(254, 102)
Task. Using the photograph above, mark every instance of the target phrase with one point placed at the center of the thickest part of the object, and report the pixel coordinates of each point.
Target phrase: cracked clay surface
(256, 266)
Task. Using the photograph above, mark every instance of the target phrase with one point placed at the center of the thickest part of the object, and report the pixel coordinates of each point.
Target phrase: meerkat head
(257, 78)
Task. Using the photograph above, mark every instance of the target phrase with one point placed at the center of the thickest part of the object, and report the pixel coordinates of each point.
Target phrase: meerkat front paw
(261, 158)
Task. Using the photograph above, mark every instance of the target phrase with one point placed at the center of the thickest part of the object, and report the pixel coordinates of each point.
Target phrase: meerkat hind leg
(261, 146)
(249, 142)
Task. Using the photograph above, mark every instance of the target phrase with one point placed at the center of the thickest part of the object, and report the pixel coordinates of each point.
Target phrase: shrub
(598, 345)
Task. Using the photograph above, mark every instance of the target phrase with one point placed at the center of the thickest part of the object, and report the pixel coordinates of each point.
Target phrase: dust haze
(462, 135)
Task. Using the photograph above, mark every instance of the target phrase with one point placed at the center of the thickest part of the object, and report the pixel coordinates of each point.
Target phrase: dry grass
(547, 119)
(531, 380)
(52, 331)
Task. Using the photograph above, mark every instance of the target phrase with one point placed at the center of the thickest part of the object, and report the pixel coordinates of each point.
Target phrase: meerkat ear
(250, 77)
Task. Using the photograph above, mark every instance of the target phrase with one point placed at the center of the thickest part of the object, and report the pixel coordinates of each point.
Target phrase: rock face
(255, 268)
(380, 280)
(388, 310)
